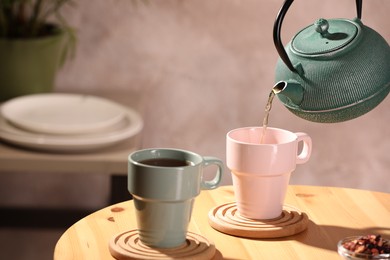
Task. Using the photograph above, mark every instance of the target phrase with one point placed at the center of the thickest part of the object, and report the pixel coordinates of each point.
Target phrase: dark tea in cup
(166, 162)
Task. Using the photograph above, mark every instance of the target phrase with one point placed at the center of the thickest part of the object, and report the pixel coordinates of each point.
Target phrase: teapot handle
(278, 26)
(359, 5)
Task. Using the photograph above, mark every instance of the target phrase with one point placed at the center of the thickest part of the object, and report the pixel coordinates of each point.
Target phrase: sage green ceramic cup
(164, 183)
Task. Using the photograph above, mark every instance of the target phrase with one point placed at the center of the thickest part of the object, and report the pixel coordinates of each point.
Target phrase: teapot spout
(290, 93)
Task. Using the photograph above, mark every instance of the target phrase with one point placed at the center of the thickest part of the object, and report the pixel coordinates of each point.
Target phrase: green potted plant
(35, 40)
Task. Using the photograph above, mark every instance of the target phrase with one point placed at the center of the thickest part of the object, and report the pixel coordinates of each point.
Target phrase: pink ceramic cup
(261, 171)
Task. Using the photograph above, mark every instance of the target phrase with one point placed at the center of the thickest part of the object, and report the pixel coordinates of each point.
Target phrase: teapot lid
(324, 36)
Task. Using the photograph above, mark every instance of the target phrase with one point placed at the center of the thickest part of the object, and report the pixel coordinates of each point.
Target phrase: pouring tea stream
(267, 110)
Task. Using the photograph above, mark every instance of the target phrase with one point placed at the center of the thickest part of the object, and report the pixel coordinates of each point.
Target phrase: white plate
(57, 113)
(128, 127)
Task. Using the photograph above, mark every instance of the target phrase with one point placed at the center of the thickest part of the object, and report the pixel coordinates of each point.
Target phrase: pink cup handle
(306, 149)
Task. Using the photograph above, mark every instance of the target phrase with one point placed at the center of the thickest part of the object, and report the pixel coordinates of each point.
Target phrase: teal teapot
(333, 70)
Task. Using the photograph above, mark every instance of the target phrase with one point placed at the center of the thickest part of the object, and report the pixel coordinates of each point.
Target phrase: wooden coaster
(127, 246)
(226, 219)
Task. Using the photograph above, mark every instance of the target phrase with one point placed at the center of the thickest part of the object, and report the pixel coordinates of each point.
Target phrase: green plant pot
(29, 66)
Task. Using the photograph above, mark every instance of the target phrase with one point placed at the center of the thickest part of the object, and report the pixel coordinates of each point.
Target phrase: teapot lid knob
(322, 26)
(326, 36)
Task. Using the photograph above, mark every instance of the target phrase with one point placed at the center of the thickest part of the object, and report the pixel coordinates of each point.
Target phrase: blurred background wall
(203, 67)
(199, 69)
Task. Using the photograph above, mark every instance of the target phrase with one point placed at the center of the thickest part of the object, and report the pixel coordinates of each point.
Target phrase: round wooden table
(333, 213)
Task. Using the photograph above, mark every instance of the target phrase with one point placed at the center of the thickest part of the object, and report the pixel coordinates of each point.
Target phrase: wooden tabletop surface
(333, 213)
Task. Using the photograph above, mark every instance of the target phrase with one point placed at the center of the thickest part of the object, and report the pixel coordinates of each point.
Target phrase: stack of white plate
(66, 122)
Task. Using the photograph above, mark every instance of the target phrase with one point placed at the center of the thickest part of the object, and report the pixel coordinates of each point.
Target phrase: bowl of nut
(364, 247)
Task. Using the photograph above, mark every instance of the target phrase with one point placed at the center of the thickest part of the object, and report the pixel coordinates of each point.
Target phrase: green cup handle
(214, 183)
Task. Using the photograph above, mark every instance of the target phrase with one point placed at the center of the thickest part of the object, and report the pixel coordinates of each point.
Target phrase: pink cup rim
(228, 135)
